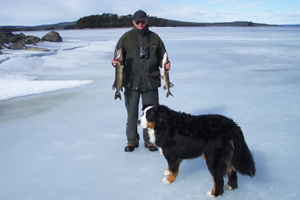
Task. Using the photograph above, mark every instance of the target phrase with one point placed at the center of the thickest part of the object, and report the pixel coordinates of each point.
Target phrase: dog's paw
(166, 172)
(210, 195)
(166, 181)
(227, 187)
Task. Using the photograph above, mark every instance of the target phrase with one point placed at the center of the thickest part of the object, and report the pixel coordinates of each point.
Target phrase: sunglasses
(137, 22)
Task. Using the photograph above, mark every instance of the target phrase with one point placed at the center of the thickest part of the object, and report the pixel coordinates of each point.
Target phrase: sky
(40, 12)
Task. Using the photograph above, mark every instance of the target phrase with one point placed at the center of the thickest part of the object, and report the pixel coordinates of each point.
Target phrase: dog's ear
(162, 117)
(147, 105)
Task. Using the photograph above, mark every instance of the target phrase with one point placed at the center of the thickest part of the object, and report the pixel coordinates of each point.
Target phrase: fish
(119, 73)
(165, 75)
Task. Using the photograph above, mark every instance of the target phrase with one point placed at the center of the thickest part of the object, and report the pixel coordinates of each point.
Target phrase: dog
(217, 138)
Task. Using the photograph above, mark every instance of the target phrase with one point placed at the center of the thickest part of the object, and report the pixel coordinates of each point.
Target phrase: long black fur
(218, 138)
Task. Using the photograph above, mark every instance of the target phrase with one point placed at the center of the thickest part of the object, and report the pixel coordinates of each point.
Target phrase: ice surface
(68, 143)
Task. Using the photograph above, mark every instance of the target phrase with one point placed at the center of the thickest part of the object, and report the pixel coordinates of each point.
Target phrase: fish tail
(118, 95)
(169, 93)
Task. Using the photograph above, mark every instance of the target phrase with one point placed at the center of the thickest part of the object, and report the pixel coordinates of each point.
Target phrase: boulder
(7, 38)
(31, 40)
(17, 45)
(52, 36)
(16, 38)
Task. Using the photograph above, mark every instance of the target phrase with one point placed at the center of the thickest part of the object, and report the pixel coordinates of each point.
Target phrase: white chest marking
(151, 133)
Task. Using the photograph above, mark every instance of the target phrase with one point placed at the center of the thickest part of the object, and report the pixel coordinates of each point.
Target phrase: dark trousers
(132, 99)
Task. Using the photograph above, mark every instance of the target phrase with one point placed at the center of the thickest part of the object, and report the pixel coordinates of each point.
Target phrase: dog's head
(148, 118)
(154, 117)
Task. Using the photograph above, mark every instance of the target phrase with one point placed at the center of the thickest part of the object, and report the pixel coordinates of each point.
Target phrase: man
(143, 51)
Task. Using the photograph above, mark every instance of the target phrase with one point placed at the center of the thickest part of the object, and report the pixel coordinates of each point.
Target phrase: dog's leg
(217, 170)
(232, 179)
(171, 178)
(167, 172)
(218, 187)
(173, 170)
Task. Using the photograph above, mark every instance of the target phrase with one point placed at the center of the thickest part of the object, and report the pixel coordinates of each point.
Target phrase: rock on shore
(19, 41)
(53, 36)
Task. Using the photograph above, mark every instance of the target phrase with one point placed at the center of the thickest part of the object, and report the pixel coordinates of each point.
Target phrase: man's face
(140, 23)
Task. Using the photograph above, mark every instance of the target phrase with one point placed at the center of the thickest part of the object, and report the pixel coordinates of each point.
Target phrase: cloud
(269, 10)
(236, 4)
(287, 17)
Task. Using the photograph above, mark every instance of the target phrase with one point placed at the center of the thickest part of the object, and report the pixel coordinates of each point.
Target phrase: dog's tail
(242, 159)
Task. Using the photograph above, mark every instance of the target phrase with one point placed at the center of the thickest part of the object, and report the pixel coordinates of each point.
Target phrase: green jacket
(141, 73)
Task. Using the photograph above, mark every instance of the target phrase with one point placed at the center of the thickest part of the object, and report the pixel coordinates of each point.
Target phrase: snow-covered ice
(62, 134)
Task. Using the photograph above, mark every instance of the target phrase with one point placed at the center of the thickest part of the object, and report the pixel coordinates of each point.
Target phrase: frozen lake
(62, 134)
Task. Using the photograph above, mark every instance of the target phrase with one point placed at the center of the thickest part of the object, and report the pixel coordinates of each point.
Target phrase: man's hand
(168, 66)
(114, 62)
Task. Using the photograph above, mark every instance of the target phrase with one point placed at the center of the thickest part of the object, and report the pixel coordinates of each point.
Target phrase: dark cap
(139, 15)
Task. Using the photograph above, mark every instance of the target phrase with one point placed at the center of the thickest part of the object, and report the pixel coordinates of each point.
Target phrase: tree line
(107, 20)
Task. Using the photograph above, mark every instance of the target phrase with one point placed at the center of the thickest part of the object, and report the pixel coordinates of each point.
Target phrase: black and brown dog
(183, 136)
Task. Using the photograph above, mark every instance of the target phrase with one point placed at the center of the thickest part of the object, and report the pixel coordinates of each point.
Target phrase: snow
(63, 134)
